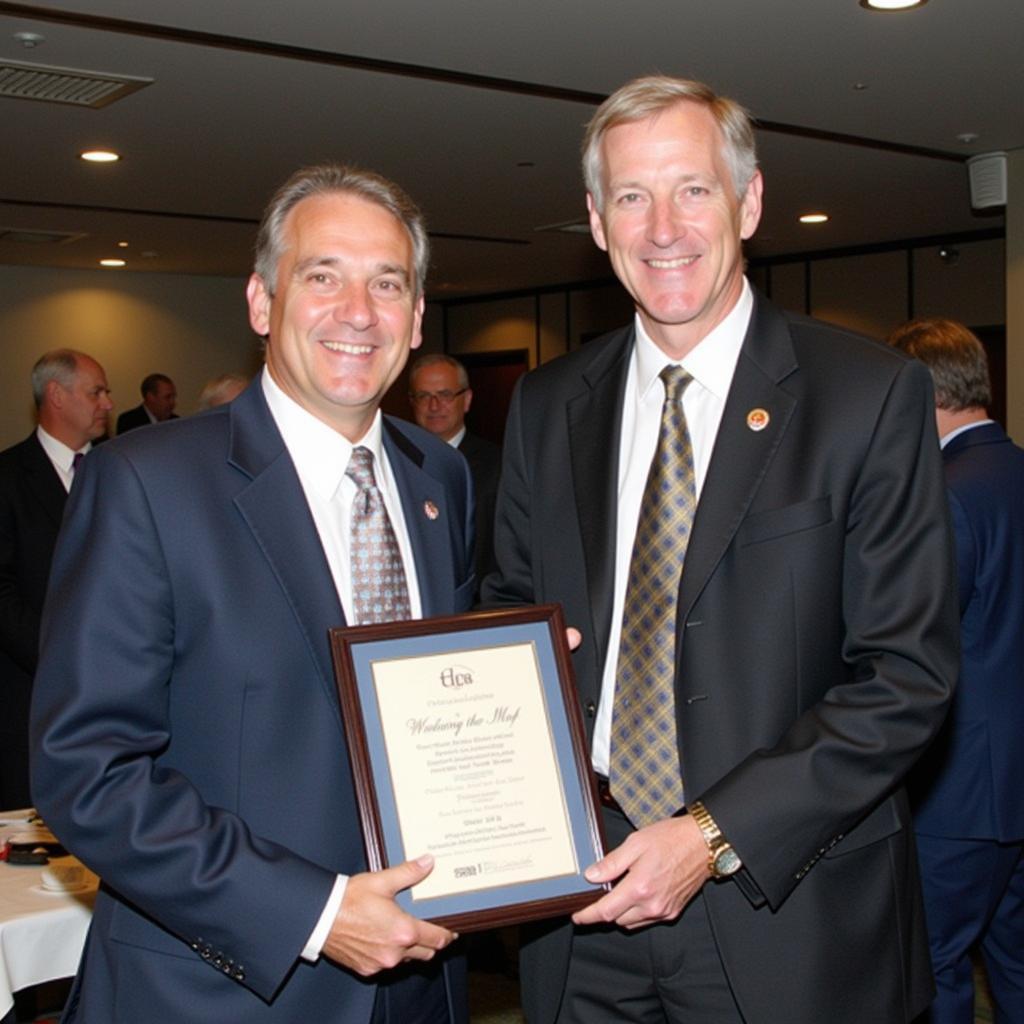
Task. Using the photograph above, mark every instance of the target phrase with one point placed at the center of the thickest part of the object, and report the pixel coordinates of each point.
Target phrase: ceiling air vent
(26, 236)
(65, 85)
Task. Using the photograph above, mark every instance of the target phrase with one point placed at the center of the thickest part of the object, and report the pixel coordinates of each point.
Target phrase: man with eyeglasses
(440, 396)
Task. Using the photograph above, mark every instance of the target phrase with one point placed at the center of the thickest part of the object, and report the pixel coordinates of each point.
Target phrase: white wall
(191, 328)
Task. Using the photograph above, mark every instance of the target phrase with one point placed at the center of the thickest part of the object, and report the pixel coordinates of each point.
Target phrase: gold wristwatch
(722, 858)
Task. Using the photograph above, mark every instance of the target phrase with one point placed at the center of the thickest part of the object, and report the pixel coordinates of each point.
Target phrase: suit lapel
(594, 449)
(741, 455)
(275, 509)
(426, 520)
(43, 481)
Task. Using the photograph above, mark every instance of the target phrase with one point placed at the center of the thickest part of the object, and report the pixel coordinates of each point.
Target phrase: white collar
(321, 454)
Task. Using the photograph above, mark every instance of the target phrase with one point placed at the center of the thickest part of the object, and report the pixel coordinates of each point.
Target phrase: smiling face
(343, 316)
(672, 224)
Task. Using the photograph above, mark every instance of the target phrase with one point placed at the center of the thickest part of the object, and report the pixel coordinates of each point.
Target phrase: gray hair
(440, 358)
(215, 391)
(331, 178)
(60, 365)
(644, 97)
(955, 358)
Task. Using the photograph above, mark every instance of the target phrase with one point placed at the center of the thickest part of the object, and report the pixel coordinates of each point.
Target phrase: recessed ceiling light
(122, 245)
(813, 218)
(891, 5)
(100, 156)
(112, 263)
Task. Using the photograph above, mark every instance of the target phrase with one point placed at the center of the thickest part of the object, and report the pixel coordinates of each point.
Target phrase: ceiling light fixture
(112, 263)
(813, 218)
(100, 156)
(892, 5)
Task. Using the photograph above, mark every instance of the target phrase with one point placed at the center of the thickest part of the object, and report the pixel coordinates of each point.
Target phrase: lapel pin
(430, 510)
(757, 419)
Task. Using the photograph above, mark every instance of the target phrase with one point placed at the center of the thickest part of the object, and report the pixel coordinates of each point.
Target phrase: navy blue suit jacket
(968, 785)
(189, 743)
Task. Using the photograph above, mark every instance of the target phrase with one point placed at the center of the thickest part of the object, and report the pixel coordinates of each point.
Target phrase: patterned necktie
(379, 590)
(644, 772)
(75, 460)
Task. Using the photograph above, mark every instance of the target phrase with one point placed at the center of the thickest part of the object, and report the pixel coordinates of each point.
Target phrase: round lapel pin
(758, 419)
(430, 510)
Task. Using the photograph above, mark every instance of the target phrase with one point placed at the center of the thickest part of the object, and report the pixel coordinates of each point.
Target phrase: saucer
(67, 891)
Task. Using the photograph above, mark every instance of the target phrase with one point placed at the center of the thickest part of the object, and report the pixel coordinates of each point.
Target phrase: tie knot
(360, 468)
(675, 379)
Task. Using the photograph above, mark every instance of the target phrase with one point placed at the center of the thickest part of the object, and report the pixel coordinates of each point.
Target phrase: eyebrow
(333, 261)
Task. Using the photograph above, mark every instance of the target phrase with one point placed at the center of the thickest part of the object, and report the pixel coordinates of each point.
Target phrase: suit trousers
(411, 995)
(974, 895)
(662, 974)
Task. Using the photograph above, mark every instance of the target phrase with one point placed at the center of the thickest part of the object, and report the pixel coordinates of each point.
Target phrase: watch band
(723, 860)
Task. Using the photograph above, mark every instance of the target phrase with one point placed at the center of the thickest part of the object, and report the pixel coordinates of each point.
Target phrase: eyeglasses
(445, 397)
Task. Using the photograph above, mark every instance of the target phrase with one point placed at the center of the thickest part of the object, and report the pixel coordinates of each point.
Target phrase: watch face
(727, 862)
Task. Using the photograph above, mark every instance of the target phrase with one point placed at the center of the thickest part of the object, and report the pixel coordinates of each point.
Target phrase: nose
(664, 225)
(355, 307)
(106, 404)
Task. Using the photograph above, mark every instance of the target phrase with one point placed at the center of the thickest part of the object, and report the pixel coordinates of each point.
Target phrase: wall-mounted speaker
(987, 173)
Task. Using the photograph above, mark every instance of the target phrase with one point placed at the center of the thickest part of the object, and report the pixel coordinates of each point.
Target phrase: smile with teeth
(347, 348)
(682, 261)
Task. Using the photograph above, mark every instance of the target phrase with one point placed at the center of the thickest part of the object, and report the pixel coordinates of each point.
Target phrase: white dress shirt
(962, 430)
(711, 364)
(321, 456)
(61, 456)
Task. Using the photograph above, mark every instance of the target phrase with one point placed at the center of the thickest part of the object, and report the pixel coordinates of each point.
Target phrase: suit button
(591, 708)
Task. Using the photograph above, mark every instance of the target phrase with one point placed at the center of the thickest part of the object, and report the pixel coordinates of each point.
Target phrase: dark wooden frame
(345, 640)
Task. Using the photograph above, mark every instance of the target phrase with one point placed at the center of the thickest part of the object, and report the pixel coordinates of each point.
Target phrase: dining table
(42, 929)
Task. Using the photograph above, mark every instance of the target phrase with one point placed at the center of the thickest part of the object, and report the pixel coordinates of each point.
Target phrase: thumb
(408, 873)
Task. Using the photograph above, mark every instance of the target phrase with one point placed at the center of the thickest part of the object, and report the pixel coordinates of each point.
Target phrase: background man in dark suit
(966, 792)
(779, 688)
(73, 402)
(159, 396)
(440, 396)
(189, 742)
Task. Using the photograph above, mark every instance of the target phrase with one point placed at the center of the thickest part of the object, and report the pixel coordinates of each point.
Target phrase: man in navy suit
(968, 790)
(73, 402)
(805, 649)
(188, 737)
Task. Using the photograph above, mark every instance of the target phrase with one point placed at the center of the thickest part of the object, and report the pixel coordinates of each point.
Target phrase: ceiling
(477, 108)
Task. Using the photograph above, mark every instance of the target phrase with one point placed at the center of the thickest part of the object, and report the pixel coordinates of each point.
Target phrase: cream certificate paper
(473, 768)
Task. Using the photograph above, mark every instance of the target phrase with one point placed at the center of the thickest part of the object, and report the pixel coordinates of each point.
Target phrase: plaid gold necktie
(644, 773)
(379, 589)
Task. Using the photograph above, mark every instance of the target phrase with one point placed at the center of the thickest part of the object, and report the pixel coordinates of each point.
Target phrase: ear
(417, 322)
(750, 207)
(259, 305)
(54, 394)
(596, 224)
(467, 399)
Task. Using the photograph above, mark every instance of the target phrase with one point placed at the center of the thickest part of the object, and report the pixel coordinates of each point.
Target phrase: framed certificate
(466, 742)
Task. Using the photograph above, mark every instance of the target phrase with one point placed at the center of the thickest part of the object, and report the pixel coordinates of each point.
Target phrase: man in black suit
(159, 397)
(73, 402)
(753, 715)
(440, 396)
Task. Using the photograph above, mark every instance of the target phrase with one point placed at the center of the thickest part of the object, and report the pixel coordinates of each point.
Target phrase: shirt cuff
(323, 927)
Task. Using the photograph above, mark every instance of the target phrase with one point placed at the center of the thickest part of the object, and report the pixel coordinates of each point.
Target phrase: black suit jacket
(816, 646)
(188, 741)
(484, 460)
(137, 417)
(32, 501)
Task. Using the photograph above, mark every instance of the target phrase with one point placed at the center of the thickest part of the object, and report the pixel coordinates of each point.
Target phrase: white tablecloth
(41, 933)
